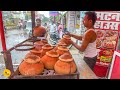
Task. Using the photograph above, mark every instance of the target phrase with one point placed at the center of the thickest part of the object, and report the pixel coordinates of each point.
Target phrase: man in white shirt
(52, 28)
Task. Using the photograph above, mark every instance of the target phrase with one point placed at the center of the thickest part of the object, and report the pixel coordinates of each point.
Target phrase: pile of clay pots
(45, 59)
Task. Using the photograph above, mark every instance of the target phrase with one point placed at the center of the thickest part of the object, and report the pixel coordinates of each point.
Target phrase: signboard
(107, 20)
(114, 72)
(106, 27)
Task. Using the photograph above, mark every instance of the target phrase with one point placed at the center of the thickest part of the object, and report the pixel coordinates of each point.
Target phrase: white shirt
(91, 50)
(52, 28)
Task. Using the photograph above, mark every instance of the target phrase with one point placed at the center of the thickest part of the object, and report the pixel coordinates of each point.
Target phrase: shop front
(107, 29)
(107, 40)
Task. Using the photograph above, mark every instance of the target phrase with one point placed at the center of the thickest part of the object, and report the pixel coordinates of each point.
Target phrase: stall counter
(83, 68)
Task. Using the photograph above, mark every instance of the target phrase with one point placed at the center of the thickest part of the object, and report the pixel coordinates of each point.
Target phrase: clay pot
(29, 54)
(35, 52)
(60, 44)
(50, 59)
(65, 65)
(31, 66)
(44, 41)
(38, 45)
(65, 39)
(39, 31)
(62, 49)
(45, 48)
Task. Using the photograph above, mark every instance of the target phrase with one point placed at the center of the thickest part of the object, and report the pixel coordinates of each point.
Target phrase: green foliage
(56, 18)
(45, 19)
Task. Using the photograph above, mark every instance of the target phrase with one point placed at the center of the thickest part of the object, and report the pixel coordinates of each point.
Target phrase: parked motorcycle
(54, 37)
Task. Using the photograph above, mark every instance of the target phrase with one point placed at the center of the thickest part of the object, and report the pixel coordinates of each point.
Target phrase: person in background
(39, 31)
(52, 28)
(60, 30)
(24, 24)
(20, 25)
(88, 45)
(5, 29)
(46, 27)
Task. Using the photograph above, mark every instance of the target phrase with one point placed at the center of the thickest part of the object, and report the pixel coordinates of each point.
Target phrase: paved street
(13, 37)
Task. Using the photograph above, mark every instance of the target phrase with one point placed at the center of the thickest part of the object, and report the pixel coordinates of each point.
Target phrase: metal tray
(17, 75)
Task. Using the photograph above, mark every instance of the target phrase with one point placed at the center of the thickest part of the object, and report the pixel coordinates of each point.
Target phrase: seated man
(39, 31)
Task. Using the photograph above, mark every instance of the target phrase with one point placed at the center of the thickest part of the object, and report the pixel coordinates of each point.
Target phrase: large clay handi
(35, 52)
(31, 66)
(29, 54)
(38, 45)
(62, 49)
(50, 59)
(45, 48)
(60, 44)
(39, 31)
(65, 39)
(65, 65)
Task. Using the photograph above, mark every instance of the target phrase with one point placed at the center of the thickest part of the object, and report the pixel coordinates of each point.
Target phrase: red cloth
(115, 74)
(100, 71)
(119, 29)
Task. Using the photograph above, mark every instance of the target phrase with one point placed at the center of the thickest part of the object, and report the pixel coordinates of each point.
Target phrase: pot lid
(52, 53)
(62, 43)
(66, 57)
(38, 43)
(35, 51)
(47, 46)
(32, 59)
(66, 37)
(64, 48)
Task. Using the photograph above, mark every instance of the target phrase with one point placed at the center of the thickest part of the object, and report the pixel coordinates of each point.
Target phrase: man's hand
(69, 41)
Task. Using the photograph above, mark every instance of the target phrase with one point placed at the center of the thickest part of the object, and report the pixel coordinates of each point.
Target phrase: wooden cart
(16, 74)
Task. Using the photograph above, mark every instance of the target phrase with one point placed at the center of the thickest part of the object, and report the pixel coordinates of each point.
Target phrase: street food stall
(34, 64)
(44, 61)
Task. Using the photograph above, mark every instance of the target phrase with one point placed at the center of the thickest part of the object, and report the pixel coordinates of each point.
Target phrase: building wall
(71, 21)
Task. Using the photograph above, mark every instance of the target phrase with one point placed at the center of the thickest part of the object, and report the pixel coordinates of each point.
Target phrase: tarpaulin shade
(53, 13)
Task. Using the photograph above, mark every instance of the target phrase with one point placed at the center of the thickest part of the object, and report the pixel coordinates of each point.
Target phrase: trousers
(90, 61)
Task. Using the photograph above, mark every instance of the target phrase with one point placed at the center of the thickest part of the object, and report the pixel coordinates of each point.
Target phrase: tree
(56, 18)
(45, 19)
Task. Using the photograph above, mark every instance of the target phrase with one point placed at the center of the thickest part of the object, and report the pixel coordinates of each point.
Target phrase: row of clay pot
(34, 65)
(44, 56)
(41, 47)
